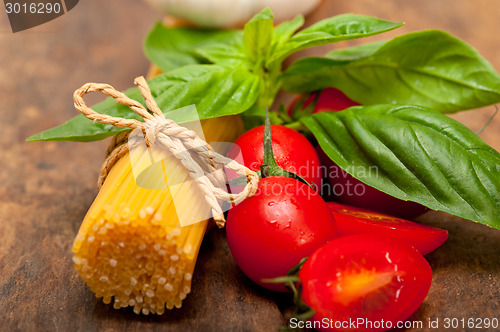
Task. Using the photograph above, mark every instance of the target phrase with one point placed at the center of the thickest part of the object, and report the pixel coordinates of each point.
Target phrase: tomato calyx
(302, 311)
(299, 110)
(269, 167)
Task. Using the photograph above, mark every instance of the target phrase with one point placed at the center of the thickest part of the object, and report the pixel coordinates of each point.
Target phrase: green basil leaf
(258, 35)
(316, 73)
(337, 28)
(428, 68)
(214, 90)
(171, 48)
(285, 30)
(227, 91)
(231, 53)
(355, 52)
(420, 155)
(265, 14)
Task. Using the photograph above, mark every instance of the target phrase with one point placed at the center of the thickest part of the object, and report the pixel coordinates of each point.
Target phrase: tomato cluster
(361, 263)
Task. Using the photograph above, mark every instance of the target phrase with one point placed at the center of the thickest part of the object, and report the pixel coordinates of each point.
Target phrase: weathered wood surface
(46, 188)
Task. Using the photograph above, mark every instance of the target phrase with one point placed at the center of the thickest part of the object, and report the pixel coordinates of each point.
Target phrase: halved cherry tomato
(352, 220)
(270, 232)
(292, 151)
(364, 276)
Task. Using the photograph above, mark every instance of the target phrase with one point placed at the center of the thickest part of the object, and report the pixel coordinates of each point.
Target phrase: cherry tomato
(270, 232)
(364, 276)
(330, 99)
(292, 151)
(352, 220)
(349, 190)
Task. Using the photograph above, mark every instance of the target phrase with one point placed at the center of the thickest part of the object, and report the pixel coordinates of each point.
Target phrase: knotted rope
(194, 154)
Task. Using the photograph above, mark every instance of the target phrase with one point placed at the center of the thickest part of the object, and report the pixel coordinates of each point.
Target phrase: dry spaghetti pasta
(130, 248)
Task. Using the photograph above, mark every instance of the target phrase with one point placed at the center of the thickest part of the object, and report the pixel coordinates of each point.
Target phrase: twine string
(204, 165)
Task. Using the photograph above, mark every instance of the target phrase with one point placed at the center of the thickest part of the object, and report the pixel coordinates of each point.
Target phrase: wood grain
(47, 187)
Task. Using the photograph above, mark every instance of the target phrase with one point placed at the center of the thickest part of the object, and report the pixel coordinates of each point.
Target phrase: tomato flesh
(292, 152)
(352, 220)
(270, 232)
(365, 276)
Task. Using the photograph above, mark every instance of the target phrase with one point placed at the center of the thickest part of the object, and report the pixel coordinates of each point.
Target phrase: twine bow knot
(154, 127)
(196, 155)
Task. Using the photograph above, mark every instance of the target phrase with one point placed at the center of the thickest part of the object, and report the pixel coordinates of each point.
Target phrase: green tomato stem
(270, 166)
(268, 144)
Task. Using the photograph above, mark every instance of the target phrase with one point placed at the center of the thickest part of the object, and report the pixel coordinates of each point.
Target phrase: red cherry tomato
(352, 220)
(292, 151)
(351, 191)
(330, 99)
(364, 276)
(270, 232)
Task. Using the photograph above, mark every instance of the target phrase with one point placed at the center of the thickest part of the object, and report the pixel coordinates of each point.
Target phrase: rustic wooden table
(47, 187)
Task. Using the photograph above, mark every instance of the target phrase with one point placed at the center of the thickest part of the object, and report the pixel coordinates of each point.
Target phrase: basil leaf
(171, 48)
(265, 14)
(337, 28)
(421, 155)
(214, 90)
(227, 91)
(428, 68)
(285, 30)
(258, 35)
(231, 53)
(355, 52)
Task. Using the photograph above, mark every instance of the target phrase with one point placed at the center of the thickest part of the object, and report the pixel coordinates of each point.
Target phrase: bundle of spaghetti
(130, 248)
